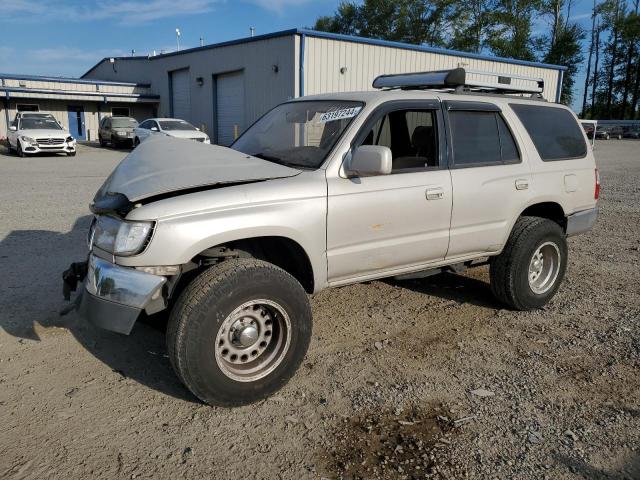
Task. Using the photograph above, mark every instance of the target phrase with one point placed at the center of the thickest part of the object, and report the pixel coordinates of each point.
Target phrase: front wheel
(239, 332)
(71, 154)
(136, 142)
(528, 272)
(19, 150)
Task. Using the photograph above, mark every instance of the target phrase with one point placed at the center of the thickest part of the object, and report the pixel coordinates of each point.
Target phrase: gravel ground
(414, 379)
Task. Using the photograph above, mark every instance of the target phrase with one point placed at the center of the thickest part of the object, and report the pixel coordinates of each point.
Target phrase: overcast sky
(65, 38)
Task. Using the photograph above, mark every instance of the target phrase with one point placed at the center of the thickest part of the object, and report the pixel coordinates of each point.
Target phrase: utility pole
(252, 30)
(201, 40)
(178, 38)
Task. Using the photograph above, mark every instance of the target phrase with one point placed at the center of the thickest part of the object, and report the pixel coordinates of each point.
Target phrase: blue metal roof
(344, 38)
(39, 78)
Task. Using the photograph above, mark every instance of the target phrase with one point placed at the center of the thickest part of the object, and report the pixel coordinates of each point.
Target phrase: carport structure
(78, 104)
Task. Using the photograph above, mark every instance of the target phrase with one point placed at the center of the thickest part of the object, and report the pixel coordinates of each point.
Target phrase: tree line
(511, 28)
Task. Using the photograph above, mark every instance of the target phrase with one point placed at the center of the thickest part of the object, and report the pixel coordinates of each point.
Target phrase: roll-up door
(180, 95)
(230, 106)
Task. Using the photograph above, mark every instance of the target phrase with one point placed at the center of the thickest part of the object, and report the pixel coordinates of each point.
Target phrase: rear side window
(481, 138)
(554, 131)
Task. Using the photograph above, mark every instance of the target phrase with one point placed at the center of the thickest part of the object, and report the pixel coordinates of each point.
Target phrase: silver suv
(430, 173)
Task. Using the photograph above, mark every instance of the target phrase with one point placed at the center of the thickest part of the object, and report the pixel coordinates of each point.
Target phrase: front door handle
(436, 193)
(522, 184)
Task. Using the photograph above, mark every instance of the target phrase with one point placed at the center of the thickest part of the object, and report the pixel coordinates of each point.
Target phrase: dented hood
(163, 165)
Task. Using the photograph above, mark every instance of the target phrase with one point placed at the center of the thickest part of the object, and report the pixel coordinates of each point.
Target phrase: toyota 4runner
(432, 172)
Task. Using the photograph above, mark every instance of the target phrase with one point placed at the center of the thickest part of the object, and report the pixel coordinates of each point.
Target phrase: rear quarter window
(554, 131)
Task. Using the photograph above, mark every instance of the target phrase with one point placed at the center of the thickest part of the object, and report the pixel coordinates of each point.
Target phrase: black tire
(9, 147)
(71, 154)
(136, 142)
(102, 142)
(509, 271)
(19, 151)
(203, 308)
(114, 142)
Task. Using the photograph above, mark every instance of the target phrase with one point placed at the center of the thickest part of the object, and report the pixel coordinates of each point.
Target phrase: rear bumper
(113, 296)
(581, 222)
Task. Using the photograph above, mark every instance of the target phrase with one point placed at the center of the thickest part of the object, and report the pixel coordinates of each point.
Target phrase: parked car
(32, 133)
(607, 133)
(172, 127)
(325, 191)
(588, 129)
(117, 131)
(631, 131)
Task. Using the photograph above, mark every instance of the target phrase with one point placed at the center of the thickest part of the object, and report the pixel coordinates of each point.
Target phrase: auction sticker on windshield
(339, 114)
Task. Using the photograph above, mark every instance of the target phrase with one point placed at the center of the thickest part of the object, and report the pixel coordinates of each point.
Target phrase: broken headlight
(121, 237)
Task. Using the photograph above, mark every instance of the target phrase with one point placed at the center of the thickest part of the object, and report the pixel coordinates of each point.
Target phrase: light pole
(178, 38)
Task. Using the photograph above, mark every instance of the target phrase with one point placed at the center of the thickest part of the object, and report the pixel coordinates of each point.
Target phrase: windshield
(31, 123)
(298, 134)
(176, 125)
(123, 122)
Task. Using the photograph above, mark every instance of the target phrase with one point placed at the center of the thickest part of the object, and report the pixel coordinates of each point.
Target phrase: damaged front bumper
(113, 296)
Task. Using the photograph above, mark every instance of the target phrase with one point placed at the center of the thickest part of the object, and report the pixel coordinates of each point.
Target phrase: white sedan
(172, 127)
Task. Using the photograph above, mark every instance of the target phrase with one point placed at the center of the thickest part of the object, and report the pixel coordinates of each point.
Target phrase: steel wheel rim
(544, 268)
(253, 340)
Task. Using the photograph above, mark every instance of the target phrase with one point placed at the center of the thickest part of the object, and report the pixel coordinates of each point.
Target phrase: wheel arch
(547, 209)
(282, 251)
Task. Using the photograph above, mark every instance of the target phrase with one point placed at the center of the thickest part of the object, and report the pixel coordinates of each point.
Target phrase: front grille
(199, 139)
(49, 141)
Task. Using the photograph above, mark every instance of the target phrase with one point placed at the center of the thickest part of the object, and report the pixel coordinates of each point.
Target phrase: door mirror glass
(13, 128)
(369, 160)
(154, 129)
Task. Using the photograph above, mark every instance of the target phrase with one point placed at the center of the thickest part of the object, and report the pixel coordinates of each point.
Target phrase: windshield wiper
(269, 158)
(280, 161)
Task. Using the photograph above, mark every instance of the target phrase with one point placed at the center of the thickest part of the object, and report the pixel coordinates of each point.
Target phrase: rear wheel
(528, 272)
(239, 331)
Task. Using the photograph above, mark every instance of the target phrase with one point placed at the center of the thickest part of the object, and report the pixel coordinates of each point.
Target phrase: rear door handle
(436, 193)
(522, 184)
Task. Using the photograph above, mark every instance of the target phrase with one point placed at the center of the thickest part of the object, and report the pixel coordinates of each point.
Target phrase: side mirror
(13, 128)
(369, 160)
(154, 129)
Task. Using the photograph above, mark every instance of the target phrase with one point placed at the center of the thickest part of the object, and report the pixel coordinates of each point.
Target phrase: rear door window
(554, 131)
(481, 138)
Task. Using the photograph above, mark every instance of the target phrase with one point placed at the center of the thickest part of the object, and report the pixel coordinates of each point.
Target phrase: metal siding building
(76, 104)
(223, 88)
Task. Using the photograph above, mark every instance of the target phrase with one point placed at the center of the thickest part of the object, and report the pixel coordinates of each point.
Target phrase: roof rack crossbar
(458, 79)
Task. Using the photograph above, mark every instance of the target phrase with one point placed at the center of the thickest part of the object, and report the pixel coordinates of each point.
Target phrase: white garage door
(230, 103)
(180, 94)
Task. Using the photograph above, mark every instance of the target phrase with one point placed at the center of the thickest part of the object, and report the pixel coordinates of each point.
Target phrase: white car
(172, 127)
(32, 133)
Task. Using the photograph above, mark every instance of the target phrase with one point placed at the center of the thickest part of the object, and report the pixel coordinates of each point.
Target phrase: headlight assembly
(27, 139)
(121, 237)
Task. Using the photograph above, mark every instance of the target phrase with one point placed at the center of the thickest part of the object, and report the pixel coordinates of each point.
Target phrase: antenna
(202, 40)
(252, 30)
(178, 38)
(133, 52)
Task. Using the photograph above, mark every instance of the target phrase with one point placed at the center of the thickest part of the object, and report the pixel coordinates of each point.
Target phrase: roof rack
(459, 80)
